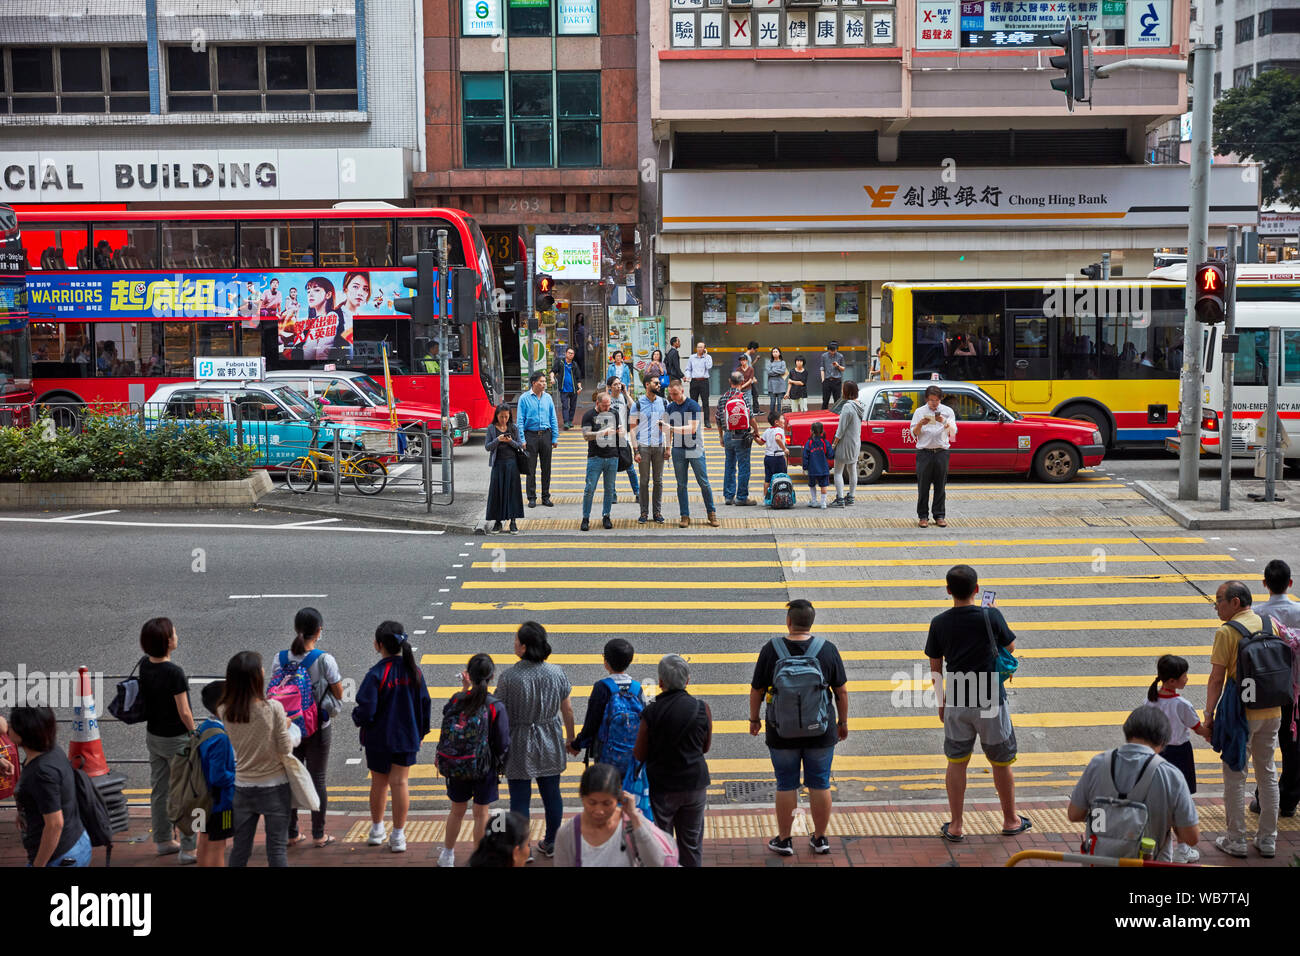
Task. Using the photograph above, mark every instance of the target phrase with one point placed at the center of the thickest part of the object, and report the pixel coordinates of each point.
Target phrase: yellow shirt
(1224, 653)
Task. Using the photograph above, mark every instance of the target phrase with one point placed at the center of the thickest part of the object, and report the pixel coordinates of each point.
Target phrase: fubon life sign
(569, 258)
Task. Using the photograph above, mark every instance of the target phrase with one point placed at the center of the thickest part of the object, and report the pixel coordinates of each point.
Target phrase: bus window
(415, 236)
(178, 348)
(1291, 357)
(61, 350)
(958, 334)
(56, 246)
(125, 245)
(116, 349)
(1076, 352)
(280, 244)
(215, 339)
(1142, 349)
(356, 242)
(198, 245)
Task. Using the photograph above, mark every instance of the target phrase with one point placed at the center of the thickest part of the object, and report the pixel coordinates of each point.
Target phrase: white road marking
(458, 565)
(258, 597)
(305, 524)
(419, 632)
(451, 577)
(218, 527)
(351, 761)
(89, 514)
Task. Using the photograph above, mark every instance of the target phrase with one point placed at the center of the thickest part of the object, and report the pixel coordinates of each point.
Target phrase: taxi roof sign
(227, 369)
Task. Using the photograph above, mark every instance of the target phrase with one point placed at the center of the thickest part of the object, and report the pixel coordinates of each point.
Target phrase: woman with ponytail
(393, 711)
(472, 748)
(327, 692)
(1163, 694)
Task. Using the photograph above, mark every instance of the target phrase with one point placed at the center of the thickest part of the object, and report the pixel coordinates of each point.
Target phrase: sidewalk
(1244, 513)
(859, 836)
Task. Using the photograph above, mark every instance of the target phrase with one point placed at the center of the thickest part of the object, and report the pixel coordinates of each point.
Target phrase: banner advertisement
(715, 304)
(647, 335)
(780, 308)
(846, 303)
(481, 18)
(621, 319)
(814, 304)
(576, 17)
(747, 304)
(569, 258)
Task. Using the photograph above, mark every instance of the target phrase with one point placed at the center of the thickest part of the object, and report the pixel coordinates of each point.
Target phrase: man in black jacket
(673, 361)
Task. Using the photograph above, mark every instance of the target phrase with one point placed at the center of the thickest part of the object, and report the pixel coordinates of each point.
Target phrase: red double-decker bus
(122, 301)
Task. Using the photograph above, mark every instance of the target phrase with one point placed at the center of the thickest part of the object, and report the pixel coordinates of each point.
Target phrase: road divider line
(88, 514)
(619, 606)
(634, 585)
(748, 657)
(748, 546)
(984, 560)
(272, 597)
(915, 627)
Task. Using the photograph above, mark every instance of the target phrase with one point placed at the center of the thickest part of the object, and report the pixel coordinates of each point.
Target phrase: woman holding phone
(610, 830)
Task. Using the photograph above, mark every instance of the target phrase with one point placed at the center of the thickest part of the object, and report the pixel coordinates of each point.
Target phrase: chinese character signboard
(569, 258)
(231, 369)
(481, 18)
(938, 24)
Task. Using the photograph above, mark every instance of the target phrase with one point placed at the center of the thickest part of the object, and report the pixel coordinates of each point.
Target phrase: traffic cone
(85, 749)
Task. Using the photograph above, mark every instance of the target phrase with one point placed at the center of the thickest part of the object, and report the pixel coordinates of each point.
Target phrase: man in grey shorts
(971, 700)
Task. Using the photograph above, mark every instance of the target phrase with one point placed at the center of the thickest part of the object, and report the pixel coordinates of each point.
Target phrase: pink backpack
(666, 844)
(291, 686)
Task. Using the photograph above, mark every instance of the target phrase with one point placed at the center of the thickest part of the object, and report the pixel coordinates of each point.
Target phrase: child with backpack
(472, 747)
(774, 451)
(817, 459)
(613, 719)
(218, 759)
(394, 712)
(1164, 694)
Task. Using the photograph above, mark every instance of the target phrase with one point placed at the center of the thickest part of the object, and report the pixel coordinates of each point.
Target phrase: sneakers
(1266, 850)
(1232, 849)
(548, 503)
(447, 856)
(1186, 854)
(848, 499)
(496, 528)
(643, 519)
(659, 519)
(745, 502)
(187, 856)
(586, 524)
(819, 844)
(783, 847)
(823, 504)
(813, 504)
(514, 528)
(545, 849)
(713, 519)
(532, 502)
(684, 522)
(167, 849)
(727, 501)
(376, 837)
(606, 523)
(837, 503)
(397, 841)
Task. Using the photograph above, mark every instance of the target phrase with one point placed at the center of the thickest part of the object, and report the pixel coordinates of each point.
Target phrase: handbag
(1004, 662)
(301, 788)
(521, 458)
(127, 704)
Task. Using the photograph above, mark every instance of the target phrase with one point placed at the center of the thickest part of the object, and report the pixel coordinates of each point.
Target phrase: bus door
(1030, 359)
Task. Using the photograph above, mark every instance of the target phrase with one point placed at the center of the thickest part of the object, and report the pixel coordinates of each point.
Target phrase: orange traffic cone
(86, 750)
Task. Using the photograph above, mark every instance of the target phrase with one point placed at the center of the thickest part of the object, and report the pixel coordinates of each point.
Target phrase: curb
(1193, 521)
(423, 524)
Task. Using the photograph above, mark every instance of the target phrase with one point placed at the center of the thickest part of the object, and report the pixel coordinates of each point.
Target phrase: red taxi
(989, 438)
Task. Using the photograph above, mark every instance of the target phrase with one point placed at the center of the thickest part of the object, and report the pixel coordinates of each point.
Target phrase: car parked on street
(990, 438)
(351, 396)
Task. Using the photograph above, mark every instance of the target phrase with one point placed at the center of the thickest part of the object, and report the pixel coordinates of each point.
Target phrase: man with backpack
(798, 674)
(1250, 670)
(737, 429)
(1130, 792)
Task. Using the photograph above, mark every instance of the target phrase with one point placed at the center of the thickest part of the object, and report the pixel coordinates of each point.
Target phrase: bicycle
(368, 474)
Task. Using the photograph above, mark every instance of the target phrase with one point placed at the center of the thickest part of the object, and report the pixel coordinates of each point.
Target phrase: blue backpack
(800, 701)
(622, 720)
(781, 492)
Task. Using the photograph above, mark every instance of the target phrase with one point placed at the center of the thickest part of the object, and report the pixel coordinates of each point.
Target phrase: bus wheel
(871, 465)
(1056, 463)
(1091, 415)
(66, 413)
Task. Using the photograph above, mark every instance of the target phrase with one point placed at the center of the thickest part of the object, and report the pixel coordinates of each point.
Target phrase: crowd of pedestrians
(264, 747)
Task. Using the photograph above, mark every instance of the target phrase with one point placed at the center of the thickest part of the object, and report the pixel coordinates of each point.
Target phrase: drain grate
(750, 791)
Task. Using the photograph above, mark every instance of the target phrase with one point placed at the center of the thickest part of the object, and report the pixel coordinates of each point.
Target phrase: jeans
(521, 793)
(315, 753)
(631, 480)
(568, 405)
(680, 814)
(816, 767)
(539, 446)
(735, 475)
(848, 467)
(698, 464)
(78, 854)
(598, 468)
(932, 469)
(830, 392)
(700, 394)
(1263, 739)
(273, 803)
(774, 402)
(652, 474)
(161, 750)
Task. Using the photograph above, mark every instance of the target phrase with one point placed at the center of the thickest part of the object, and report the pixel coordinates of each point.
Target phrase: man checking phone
(934, 426)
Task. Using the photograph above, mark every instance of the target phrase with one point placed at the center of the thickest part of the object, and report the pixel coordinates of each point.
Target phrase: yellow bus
(1109, 352)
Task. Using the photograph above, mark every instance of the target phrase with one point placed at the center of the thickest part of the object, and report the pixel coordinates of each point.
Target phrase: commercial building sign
(577, 17)
(1279, 223)
(481, 18)
(569, 258)
(202, 175)
(977, 198)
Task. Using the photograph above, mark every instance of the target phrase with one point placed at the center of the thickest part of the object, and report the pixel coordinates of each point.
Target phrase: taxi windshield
(300, 406)
(371, 389)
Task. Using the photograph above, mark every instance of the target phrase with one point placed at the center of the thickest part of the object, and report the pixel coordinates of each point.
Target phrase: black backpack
(94, 814)
(1263, 666)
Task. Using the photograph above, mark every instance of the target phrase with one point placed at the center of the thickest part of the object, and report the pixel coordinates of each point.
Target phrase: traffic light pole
(530, 317)
(1229, 363)
(443, 292)
(1200, 71)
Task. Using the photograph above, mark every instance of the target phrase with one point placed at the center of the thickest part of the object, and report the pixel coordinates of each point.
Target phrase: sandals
(325, 841)
(1024, 825)
(951, 837)
(295, 840)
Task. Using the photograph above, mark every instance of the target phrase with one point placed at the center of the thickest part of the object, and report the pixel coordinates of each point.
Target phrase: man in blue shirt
(648, 447)
(541, 431)
(567, 373)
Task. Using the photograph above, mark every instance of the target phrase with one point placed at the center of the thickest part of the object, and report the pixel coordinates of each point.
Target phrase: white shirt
(933, 434)
(698, 366)
(771, 448)
(1281, 609)
(1182, 717)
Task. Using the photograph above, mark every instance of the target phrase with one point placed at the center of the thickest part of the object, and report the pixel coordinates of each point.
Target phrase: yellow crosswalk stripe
(748, 657)
(634, 585)
(849, 562)
(918, 627)
(804, 543)
(624, 605)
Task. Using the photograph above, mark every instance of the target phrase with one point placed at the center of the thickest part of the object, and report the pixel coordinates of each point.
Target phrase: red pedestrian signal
(1211, 287)
(544, 301)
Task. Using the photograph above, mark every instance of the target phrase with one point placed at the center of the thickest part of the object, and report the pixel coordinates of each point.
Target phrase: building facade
(838, 146)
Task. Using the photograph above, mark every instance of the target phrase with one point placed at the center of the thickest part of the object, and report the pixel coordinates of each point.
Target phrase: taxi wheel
(1089, 414)
(415, 438)
(871, 465)
(1056, 463)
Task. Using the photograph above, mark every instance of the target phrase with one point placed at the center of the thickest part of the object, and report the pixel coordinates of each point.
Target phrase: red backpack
(737, 410)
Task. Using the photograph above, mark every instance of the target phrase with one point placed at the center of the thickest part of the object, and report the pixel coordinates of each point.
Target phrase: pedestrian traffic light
(1073, 40)
(544, 301)
(421, 305)
(513, 282)
(464, 295)
(1091, 272)
(1211, 291)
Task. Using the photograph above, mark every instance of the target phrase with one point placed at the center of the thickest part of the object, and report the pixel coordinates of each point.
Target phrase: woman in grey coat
(776, 381)
(848, 445)
(536, 696)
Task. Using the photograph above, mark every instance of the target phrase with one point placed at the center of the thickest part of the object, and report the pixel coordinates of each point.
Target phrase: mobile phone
(989, 598)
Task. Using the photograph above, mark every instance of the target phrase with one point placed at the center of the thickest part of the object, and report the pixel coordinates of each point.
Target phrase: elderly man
(676, 732)
(1134, 769)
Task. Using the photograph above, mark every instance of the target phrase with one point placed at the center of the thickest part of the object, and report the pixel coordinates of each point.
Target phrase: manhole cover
(750, 791)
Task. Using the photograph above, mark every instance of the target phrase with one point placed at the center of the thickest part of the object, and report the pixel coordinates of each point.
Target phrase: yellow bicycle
(367, 473)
